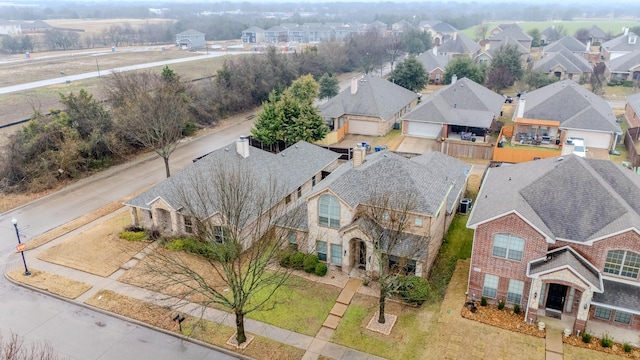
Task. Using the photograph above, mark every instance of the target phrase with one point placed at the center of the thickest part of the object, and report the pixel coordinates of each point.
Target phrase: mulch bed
(595, 344)
(504, 319)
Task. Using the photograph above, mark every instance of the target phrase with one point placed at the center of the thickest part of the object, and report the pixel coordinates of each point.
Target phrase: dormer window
(632, 40)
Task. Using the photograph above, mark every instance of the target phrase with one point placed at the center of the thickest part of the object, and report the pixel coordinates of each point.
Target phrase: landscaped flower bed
(596, 344)
(504, 319)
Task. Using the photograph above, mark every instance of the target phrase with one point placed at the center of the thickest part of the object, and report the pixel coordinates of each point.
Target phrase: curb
(133, 321)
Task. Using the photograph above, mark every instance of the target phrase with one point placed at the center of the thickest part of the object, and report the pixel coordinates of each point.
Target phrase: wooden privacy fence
(468, 149)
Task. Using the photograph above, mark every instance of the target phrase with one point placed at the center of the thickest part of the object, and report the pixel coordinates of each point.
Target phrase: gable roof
(504, 27)
(443, 27)
(395, 174)
(514, 32)
(596, 32)
(374, 97)
(569, 197)
(572, 105)
(624, 63)
(431, 61)
(291, 167)
(253, 29)
(462, 44)
(428, 23)
(566, 257)
(464, 103)
(621, 43)
(495, 45)
(572, 63)
(568, 42)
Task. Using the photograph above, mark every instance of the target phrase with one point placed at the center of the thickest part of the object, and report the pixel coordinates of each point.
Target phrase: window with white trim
(188, 225)
(336, 254)
(490, 287)
(291, 236)
(321, 249)
(514, 294)
(602, 313)
(623, 317)
(417, 221)
(329, 211)
(508, 246)
(622, 263)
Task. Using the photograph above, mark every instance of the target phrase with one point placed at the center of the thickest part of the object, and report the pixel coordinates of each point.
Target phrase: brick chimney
(354, 86)
(242, 146)
(358, 154)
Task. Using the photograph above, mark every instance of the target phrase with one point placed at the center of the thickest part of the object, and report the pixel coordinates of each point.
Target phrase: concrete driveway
(418, 145)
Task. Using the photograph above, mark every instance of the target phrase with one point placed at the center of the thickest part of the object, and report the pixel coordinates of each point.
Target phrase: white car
(579, 148)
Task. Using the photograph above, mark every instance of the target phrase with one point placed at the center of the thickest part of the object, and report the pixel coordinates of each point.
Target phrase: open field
(614, 27)
(20, 105)
(97, 25)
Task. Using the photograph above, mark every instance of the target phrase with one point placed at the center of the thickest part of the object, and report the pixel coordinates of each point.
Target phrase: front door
(556, 296)
(362, 255)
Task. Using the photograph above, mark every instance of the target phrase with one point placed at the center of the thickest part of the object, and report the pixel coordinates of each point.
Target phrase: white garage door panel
(363, 127)
(424, 129)
(592, 139)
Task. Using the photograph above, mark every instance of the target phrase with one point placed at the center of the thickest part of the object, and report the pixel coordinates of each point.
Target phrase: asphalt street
(74, 331)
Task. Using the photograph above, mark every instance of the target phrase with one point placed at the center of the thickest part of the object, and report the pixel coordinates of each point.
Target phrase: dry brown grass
(98, 250)
(52, 283)
(98, 25)
(212, 333)
(74, 224)
(10, 201)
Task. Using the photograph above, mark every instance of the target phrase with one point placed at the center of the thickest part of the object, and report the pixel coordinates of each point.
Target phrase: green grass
(406, 340)
(299, 305)
(615, 27)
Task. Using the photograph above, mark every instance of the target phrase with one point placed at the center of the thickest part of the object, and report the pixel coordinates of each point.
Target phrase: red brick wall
(635, 320)
(482, 258)
(632, 118)
(597, 254)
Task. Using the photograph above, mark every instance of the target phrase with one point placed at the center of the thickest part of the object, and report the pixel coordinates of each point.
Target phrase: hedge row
(301, 261)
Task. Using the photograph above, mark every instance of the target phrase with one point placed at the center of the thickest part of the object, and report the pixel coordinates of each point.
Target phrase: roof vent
(282, 154)
(296, 146)
(560, 158)
(226, 149)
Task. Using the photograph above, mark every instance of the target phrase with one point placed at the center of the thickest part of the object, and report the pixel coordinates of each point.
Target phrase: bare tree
(481, 31)
(16, 349)
(386, 221)
(242, 222)
(150, 110)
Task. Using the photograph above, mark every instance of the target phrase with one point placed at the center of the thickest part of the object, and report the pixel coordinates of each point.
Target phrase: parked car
(579, 148)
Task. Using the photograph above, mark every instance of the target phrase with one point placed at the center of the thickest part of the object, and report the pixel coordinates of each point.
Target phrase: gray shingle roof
(464, 103)
(572, 63)
(405, 245)
(572, 105)
(634, 102)
(375, 97)
(497, 44)
(597, 33)
(624, 63)
(620, 295)
(290, 168)
(443, 27)
(575, 198)
(462, 44)
(563, 257)
(253, 29)
(568, 42)
(621, 43)
(431, 62)
(190, 32)
(396, 175)
(514, 32)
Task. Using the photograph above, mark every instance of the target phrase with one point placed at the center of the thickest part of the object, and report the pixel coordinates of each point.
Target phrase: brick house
(632, 110)
(559, 237)
(434, 64)
(297, 168)
(334, 225)
(621, 45)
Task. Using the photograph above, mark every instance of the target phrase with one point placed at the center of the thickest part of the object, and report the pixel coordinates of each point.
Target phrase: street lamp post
(21, 246)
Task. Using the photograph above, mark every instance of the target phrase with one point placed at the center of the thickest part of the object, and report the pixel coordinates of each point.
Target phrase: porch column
(534, 298)
(583, 311)
(175, 221)
(133, 211)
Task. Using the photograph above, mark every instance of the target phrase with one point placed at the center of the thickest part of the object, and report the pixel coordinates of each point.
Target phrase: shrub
(309, 263)
(586, 337)
(627, 84)
(500, 304)
(606, 341)
(321, 269)
(175, 245)
(189, 128)
(297, 260)
(483, 301)
(154, 234)
(627, 347)
(516, 309)
(133, 235)
(414, 289)
(190, 245)
(134, 228)
(285, 259)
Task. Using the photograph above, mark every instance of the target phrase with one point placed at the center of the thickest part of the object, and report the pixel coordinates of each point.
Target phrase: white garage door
(431, 130)
(361, 127)
(592, 139)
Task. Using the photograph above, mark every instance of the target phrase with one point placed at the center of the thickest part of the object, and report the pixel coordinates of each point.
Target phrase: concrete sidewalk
(314, 346)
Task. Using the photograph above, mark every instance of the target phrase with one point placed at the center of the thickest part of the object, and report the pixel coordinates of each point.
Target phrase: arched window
(622, 263)
(508, 246)
(329, 211)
